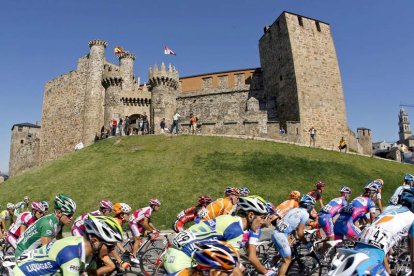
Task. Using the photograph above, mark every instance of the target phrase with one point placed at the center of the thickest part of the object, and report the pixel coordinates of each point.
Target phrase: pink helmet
(38, 206)
(320, 184)
(154, 202)
(204, 199)
(105, 204)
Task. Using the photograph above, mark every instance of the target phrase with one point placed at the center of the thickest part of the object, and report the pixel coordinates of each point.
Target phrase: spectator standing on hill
(312, 133)
(176, 117)
(145, 125)
(120, 126)
(162, 126)
(193, 123)
(127, 123)
(282, 131)
(113, 127)
(343, 145)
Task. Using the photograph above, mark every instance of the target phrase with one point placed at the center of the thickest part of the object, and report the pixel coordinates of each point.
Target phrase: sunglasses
(69, 216)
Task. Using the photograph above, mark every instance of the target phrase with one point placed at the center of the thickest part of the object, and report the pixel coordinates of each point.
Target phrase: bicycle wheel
(305, 265)
(149, 260)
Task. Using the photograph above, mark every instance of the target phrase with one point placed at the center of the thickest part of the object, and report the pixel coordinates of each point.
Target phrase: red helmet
(154, 202)
(231, 191)
(204, 200)
(38, 206)
(320, 184)
(105, 204)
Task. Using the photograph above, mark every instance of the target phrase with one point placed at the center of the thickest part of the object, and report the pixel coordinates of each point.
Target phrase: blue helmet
(372, 187)
(244, 191)
(407, 198)
(307, 202)
(409, 179)
(270, 208)
(214, 254)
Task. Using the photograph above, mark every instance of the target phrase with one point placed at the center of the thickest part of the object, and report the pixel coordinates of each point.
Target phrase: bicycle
(151, 258)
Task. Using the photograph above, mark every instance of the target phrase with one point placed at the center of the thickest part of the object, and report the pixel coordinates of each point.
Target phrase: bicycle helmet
(204, 200)
(270, 208)
(65, 204)
(320, 184)
(346, 262)
(46, 204)
(229, 191)
(106, 204)
(107, 229)
(215, 254)
(407, 198)
(154, 202)
(379, 182)
(10, 206)
(244, 191)
(294, 195)
(254, 204)
(371, 187)
(38, 206)
(307, 202)
(345, 189)
(409, 179)
(26, 198)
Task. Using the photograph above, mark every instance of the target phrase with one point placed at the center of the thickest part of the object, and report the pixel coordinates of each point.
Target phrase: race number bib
(281, 226)
(183, 238)
(202, 213)
(326, 209)
(375, 236)
(180, 215)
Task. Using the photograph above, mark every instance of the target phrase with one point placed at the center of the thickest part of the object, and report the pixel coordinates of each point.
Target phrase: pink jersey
(334, 206)
(140, 214)
(25, 219)
(80, 221)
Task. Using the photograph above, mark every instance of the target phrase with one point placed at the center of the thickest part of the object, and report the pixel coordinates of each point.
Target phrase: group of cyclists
(220, 229)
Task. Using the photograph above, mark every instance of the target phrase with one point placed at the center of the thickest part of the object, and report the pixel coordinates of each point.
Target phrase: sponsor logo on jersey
(39, 266)
(29, 235)
(74, 268)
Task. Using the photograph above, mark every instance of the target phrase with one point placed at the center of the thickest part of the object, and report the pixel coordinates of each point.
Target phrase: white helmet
(254, 204)
(106, 229)
(10, 206)
(125, 208)
(346, 262)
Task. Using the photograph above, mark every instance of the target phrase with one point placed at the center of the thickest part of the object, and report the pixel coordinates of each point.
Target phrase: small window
(20, 129)
(21, 141)
(281, 77)
(318, 26)
(278, 26)
(300, 20)
(29, 135)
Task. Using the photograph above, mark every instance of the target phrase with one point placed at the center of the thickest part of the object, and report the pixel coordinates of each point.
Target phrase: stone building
(404, 133)
(297, 87)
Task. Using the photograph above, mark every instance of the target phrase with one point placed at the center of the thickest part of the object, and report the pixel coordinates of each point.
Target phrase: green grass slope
(178, 169)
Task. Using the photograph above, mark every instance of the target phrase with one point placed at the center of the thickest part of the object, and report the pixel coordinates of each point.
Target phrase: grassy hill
(177, 169)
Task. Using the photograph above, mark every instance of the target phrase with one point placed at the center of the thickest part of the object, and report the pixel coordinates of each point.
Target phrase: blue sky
(43, 39)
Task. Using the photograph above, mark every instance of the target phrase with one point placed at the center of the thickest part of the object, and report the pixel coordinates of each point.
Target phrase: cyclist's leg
(352, 231)
(282, 244)
(137, 237)
(325, 222)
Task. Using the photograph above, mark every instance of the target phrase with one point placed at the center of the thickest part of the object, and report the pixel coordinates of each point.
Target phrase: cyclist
(216, 257)
(408, 183)
(190, 214)
(122, 214)
(6, 215)
(294, 219)
(221, 206)
(45, 229)
(23, 221)
(285, 206)
(46, 204)
(377, 239)
(244, 191)
(357, 209)
(317, 193)
(70, 255)
(250, 216)
(78, 228)
(22, 206)
(140, 222)
(330, 210)
(378, 198)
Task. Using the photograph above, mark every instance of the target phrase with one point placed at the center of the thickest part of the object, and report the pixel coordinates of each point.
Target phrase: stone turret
(404, 126)
(126, 68)
(93, 110)
(113, 107)
(164, 84)
(365, 140)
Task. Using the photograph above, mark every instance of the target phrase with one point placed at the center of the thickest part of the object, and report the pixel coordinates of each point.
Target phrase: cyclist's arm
(252, 256)
(320, 202)
(301, 232)
(45, 240)
(371, 217)
(107, 267)
(3, 225)
(23, 228)
(121, 248)
(379, 202)
(147, 225)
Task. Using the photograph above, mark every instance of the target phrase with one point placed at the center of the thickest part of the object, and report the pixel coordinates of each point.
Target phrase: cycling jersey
(328, 212)
(185, 216)
(394, 198)
(47, 226)
(66, 256)
(285, 206)
(224, 228)
(316, 194)
(387, 228)
(251, 237)
(78, 228)
(4, 215)
(222, 206)
(136, 219)
(21, 207)
(13, 234)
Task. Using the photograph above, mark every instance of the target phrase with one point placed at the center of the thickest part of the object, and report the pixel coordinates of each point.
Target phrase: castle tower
(93, 110)
(164, 85)
(24, 147)
(365, 140)
(301, 77)
(404, 126)
(126, 68)
(113, 107)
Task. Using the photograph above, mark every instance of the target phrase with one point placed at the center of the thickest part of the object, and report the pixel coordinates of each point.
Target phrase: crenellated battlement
(127, 55)
(111, 78)
(163, 76)
(98, 42)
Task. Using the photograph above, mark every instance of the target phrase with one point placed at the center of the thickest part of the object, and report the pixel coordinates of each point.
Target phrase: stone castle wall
(24, 149)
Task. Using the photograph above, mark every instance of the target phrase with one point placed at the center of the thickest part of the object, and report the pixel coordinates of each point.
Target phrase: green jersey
(47, 226)
(63, 257)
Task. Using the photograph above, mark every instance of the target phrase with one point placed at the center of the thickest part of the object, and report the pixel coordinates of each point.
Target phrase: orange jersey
(285, 206)
(222, 206)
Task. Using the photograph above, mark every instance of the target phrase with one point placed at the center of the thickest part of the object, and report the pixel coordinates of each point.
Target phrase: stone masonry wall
(24, 150)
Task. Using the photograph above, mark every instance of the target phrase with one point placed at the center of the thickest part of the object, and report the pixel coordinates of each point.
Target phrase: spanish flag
(118, 50)
(168, 51)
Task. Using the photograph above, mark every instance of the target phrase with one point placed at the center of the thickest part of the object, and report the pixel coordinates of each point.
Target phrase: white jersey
(387, 228)
(394, 198)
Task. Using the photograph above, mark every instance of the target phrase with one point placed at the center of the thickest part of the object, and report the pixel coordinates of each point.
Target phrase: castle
(297, 87)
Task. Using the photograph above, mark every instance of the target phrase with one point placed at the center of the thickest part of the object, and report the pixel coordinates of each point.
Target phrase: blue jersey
(292, 220)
